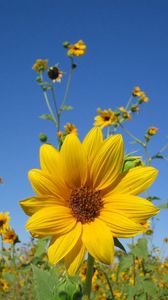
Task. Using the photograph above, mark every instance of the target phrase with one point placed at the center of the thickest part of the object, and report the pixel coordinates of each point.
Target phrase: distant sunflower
(4, 219)
(84, 200)
(105, 118)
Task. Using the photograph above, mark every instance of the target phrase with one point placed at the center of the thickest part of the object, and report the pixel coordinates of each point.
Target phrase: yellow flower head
(40, 65)
(125, 113)
(4, 219)
(70, 128)
(143, 97)
(55, 74)
(152, 130)
(105, 118)
(77, 49)
(10, 236)
(4, 285)
(136, 91)
(83, 199)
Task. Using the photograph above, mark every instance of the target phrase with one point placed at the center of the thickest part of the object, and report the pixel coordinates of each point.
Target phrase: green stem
(128, 103)
(88, 282)
(108, 282)
(148, 158)
(68, 84)
(49, 107)
(132, 136)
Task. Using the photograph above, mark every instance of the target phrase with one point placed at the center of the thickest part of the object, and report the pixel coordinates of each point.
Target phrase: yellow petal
(33, 204)
(49, 221)
(44, 184)
(75, 161)
(98, 240)
(62, 245)
(75, 257)
(108, 162)
(132, 207)
(135, 181)
(120, 225)
(92, 143)
(50, 160)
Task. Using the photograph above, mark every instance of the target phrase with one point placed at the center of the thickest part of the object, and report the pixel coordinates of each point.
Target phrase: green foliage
(66, 107)
(47, 117)
(163, 205)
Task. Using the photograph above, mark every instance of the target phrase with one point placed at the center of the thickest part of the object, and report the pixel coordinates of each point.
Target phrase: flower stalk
(88, 282)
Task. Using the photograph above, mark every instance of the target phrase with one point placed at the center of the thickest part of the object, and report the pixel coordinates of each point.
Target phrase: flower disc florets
(85, 204)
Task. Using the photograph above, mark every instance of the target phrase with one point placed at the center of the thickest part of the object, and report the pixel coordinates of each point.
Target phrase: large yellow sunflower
(84, 200)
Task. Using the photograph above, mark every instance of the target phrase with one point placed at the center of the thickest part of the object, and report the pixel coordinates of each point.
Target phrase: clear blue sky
(127, 46)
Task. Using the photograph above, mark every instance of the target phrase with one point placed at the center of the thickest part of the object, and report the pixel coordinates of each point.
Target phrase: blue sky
(127, 46)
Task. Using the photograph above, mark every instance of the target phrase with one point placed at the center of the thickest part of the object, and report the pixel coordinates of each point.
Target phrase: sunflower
(77, 49)
(10, 236)
(83, 199)
(105, 118)
(4, 219)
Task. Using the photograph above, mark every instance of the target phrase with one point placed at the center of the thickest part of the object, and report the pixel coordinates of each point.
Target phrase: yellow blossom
(125, 113)
(117, 294)
(4, 285)
(40, 65)
(10, 236)
(83, 199)
(143, 97)
(136, 91)
(4, 219)
(77, 49)
(70, 128)
(106, 118)
(152, 130)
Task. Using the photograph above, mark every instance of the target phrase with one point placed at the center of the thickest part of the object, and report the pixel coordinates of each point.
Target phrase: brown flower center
(2, 222)
(85, 204)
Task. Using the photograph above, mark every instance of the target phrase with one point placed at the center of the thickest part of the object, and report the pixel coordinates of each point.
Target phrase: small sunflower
(55, 74)
(70, 128)
(125, 113)
(105, 118)
(152, 131)
(83, 199)
(10, 236)
(40, 65)
(4, 219)
(76, 49)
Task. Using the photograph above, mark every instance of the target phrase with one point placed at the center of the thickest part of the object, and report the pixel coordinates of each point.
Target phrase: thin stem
(108, 282)
(54, 99)
(68, 84)
(88, 282)
(129, 102)
(49, 107)
(132, 136)
(163, 148)
(148, 158)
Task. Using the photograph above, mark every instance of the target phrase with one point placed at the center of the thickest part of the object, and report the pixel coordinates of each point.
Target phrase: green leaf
(153, 198)
(141, 248)
(118, 244)
(158, 156)
(149, 287)
(66, 107)
(163, 205)
(41, 247)
(125, 262)
(47, 117)
(9, 276)
(44, 284)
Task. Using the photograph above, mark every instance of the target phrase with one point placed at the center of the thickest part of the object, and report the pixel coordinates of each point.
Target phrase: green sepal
(118, 244)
